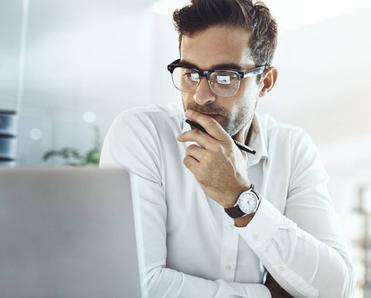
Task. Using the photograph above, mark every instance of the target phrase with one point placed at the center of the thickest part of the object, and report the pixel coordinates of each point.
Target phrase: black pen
(238, 144)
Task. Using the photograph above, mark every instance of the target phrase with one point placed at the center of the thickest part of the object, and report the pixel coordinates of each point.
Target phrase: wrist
(243, 221)
(232, 197)
(245, 207)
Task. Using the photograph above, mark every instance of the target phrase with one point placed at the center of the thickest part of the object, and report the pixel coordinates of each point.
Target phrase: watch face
(248, 202)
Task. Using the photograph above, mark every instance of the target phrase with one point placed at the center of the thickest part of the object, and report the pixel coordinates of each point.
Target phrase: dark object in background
(8, 137)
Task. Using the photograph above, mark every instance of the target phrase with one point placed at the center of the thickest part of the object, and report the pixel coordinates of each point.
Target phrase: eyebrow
(215, 66)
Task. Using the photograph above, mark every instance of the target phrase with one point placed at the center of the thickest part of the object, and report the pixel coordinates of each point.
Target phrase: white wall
(10, 32)
(80, 56)
(324, 75)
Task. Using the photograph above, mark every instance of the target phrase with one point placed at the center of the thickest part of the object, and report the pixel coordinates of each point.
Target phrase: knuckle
(186, 161)
(219, 148)
(185, 134)
(191, 148)
(228, 147)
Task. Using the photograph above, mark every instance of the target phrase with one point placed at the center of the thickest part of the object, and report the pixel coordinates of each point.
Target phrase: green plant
(73, 157)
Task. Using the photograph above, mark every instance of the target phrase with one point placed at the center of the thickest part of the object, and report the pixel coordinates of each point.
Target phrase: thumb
(240, 136)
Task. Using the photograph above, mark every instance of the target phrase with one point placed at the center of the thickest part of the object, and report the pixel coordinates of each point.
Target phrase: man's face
(216, 46)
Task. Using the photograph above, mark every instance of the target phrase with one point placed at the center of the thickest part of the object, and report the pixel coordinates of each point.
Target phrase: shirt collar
(258, 142)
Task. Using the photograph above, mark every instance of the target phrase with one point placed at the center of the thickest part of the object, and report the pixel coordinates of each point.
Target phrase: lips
(210, 114)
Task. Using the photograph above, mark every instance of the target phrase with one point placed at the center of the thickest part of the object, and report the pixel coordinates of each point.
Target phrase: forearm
(302, 265)
(168, 283)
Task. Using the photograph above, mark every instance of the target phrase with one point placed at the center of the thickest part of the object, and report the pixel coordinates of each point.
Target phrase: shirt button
(228, 267)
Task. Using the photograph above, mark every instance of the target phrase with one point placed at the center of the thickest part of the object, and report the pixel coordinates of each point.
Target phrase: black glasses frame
(206, 73)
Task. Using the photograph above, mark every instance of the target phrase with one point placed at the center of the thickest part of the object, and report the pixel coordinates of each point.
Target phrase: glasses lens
(185, 79)
(224, 83)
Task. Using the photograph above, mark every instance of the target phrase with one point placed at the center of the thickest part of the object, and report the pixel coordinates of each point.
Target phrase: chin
(227, 128)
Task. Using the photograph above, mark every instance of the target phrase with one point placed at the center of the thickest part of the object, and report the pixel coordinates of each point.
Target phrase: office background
(68, 68)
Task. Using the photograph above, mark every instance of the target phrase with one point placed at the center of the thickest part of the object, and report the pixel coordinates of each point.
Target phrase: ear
(268, 81)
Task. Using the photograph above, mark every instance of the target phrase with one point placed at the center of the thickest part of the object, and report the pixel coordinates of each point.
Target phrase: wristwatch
(247, 203)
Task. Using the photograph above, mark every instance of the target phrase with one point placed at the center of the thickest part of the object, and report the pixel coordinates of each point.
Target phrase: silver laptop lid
(68, 233)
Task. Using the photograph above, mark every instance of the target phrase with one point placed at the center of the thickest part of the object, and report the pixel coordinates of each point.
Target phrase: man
(219, 221)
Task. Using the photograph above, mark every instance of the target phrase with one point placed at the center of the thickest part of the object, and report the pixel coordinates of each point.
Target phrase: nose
(203, 94)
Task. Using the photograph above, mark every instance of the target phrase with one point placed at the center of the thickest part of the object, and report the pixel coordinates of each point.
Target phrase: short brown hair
(254, 17)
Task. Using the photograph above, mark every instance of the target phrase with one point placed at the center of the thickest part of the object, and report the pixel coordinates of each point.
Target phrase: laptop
(69, 233)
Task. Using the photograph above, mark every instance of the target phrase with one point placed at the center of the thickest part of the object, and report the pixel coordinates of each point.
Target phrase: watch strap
(234, 212)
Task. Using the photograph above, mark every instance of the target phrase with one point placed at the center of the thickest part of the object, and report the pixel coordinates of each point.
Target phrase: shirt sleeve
(303, 249)
(131, 144)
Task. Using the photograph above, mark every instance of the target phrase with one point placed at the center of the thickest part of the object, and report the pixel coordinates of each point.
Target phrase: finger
(212, 127)
(201, 138)
(191, 163)
(241, 135)
(196, 152)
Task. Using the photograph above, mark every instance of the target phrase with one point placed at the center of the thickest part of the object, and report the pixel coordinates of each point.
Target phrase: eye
(224, 78)
(192, 76)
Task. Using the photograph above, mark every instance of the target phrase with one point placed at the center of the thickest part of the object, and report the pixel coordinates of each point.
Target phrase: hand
(216, 162)
(275, 288)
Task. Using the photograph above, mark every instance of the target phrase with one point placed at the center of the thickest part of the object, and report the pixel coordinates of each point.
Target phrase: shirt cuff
(261, 229)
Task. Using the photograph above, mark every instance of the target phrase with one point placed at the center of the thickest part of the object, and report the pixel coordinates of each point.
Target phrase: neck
(245, 134)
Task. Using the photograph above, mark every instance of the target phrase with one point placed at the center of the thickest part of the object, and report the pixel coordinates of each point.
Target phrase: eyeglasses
(224, 83)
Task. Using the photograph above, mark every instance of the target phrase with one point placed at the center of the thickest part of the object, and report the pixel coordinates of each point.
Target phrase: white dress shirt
(192, 248)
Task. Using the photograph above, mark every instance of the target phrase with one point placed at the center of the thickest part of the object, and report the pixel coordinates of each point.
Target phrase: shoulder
(294, 143)
(281, 133)
(133, 139)
(149, 117)
(288, 142)
(271, 127)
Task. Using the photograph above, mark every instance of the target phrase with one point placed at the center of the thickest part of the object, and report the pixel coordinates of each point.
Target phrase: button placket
(228, 251)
